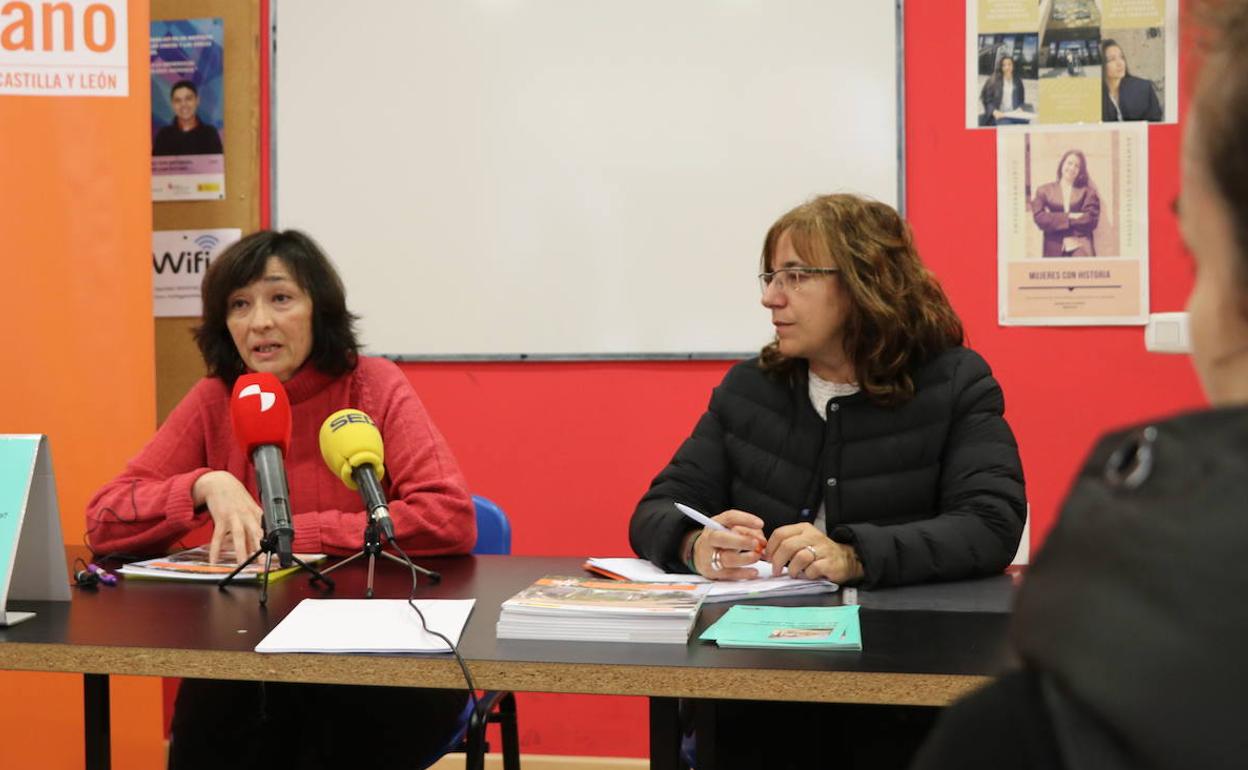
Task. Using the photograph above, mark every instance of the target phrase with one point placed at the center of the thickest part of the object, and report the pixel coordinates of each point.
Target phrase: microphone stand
(268, 547)
(372, 549)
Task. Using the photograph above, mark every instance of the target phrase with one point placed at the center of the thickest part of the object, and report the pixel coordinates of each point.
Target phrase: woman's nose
(773, 297)
(261, 317)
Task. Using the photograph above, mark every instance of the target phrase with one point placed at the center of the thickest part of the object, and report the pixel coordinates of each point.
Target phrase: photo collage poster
(1072, 229)
(1062, 62)
(188, 109)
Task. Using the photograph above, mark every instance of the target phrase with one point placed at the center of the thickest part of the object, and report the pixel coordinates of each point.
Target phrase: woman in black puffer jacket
(865, 444)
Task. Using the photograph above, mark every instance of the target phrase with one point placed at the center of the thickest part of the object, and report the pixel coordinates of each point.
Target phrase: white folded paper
(368, 625)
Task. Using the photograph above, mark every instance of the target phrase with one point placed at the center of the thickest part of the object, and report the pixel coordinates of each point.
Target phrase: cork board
(178, 363)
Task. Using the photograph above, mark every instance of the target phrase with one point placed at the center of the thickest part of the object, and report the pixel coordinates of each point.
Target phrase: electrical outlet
(1167, 333)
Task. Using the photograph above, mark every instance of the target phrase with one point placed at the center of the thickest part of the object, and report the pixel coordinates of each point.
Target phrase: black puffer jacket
(1136, 606)
(930, 490)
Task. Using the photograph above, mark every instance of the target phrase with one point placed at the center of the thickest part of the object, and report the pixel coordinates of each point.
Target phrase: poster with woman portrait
(1071, 61)
(1072, 225)
(188, 109)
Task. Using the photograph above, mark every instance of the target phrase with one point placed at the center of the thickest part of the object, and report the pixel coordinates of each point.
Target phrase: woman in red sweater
(274, 303)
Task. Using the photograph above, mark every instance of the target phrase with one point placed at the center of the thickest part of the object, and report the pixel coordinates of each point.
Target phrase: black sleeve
(696, 476)
(982, 501)
(161, 145)
(1154, 112)
(986, 97)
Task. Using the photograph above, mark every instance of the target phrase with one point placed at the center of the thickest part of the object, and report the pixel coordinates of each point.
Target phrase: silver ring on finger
(814, 557)
(716, 564)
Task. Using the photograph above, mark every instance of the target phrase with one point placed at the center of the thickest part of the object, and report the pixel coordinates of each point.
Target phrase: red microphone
(260, 415)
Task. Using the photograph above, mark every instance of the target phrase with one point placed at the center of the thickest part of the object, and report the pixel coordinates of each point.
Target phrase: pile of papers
(193, 564)
(592, 609)
(640, 570)
(792, 628)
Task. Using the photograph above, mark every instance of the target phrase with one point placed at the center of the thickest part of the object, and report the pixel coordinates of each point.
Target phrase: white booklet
(643, 571)
(368, 625)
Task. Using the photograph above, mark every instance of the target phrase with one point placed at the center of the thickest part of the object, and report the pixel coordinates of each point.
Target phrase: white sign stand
(32, 554)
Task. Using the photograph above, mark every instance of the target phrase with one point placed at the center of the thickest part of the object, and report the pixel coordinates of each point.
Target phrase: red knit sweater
(148, 508)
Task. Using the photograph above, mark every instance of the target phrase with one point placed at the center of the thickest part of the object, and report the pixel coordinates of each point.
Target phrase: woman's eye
(238, 304)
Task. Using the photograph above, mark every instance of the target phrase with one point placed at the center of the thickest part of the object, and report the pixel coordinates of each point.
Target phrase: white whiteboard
(554, 177)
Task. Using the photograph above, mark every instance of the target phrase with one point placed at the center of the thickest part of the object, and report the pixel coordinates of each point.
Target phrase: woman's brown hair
(1220, 106)
(898, 317)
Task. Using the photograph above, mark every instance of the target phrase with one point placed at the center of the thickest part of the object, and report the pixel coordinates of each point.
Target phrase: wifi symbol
(207, 242)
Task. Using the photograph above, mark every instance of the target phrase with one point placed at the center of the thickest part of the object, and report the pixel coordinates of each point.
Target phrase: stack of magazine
(593, 609)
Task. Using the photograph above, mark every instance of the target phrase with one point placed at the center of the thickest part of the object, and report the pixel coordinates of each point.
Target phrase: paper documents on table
(794, 628)
(641, 570)
(193, 564)
(368, 625)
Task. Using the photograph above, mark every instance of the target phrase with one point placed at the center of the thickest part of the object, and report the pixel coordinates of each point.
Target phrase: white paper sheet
(368, 625)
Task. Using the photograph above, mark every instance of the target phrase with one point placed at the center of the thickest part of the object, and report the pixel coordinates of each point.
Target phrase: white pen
(707, 521)
(700, 518)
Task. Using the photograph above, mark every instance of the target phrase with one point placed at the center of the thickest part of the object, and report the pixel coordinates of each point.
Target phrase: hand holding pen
(726, 546)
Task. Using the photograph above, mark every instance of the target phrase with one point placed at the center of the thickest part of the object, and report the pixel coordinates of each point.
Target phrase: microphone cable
(411, 602)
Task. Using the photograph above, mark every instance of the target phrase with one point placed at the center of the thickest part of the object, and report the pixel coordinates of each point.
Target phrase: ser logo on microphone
(346, 419)
(267, 399)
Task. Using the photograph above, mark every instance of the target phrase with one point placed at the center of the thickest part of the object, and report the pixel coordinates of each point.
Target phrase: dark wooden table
(151, 628)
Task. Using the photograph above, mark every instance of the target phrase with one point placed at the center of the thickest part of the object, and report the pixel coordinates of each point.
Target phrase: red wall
(567, 449)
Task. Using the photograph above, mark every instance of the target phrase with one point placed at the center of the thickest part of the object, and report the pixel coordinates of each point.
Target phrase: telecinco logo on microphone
(267, 399)
(66, 48)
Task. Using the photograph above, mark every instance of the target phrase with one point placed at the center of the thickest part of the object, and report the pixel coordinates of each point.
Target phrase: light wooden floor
(547, 762)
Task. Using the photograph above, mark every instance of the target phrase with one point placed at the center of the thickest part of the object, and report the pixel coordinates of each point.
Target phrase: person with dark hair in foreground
(864, 445)
(1130, 624)
(273, 303)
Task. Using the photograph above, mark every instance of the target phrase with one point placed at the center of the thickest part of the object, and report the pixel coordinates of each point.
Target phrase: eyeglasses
(790, 279)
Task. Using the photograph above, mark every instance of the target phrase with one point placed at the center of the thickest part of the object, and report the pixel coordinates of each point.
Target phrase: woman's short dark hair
(334, 351)
(898, 318)
(1082, 179)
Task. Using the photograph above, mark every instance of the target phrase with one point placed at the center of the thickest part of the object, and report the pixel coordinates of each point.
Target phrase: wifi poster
(179, 259)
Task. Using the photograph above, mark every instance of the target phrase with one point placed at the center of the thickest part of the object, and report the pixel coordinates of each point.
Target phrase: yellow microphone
(352, 448)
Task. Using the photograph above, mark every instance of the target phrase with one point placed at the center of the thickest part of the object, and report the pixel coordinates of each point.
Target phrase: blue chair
(493, 537)
(493, 529)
